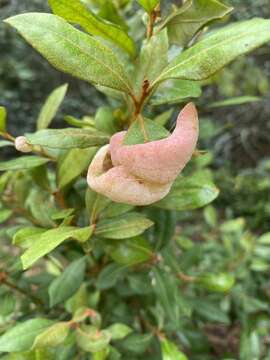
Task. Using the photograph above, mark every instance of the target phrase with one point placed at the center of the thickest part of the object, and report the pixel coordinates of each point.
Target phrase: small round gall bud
(22, 145)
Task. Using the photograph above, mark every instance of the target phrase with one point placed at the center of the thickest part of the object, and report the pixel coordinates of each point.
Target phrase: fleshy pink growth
(144, 173)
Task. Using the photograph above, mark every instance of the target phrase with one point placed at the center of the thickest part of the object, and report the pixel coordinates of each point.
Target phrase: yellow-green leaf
(52, 336)
(3, 117)
(50, 239)
(77, 13)
(185, 22)
(217, 50)
(51, 106)
(71, 50)
(67, 138)
(148, 5)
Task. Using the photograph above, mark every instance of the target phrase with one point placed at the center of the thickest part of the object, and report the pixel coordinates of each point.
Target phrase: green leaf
(217, 50)
(264, 239)
(115, 209)
(153, 58)
(166, 289)
(131, 251)
(176, 91)
(170, 351)
(125, 226)
(185, 22)
(77, 13)
(95, 203)
(51, 106)
(137, 343)
(71, 50)
(52, 336)
(154, 131)
(21, 336)
(148, 5)
(210, 311)
(74, 163)
(188, 193)
(210, 216)
(7, 304)
(238, 100)
(3, 118)
(26, 236)
(91, 339)
(164, 117)
(66, 285)
(109, 275)
(50, 239)
(222, 282)
(67, 138)
(4, 143)
(22, 163)
(119, 331)
(5, 214)
(105, 121)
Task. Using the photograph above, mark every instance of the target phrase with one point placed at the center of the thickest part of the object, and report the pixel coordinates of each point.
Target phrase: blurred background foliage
(236, 136)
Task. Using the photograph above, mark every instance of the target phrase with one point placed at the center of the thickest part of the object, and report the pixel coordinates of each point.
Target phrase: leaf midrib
(202, 51)
(127, 86)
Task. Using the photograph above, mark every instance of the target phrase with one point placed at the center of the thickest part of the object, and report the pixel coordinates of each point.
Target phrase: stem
(152, 19)
(4, 280)
(186, 278)
(7, 136)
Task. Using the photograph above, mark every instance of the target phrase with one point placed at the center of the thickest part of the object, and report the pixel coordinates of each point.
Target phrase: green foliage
(95, 279)
(76, 12)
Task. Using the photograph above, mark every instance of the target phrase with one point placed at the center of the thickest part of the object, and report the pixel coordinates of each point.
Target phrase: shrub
(99, 279)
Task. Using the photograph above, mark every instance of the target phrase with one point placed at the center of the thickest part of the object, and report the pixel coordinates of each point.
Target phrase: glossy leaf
(67, 138)
(189, 193)
(176, 91)
(170, 351)
(53, 336)
(23, 163)
(222, 282)
(51, 106)
(77, 13)
(185, 22)
(49, 240)
(71, 50)
(217, 50)
(125, 226)
(148, 5)
(66, 285)
(21, 336)
(132, 251)
(74, 163)
(3, 118)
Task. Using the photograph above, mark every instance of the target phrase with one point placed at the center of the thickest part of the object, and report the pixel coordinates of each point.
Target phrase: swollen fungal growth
(144, 173)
